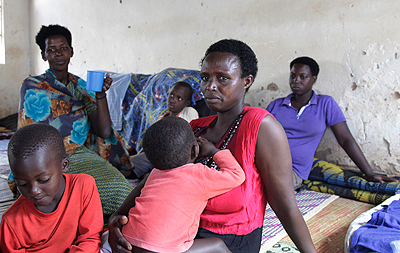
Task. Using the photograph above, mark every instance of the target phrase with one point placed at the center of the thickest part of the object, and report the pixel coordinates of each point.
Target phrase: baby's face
(178, 99)
(39, 178)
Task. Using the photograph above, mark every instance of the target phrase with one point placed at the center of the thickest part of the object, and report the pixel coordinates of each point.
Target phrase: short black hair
(307, 61)
(247, 57)
(168, 143)
(51, 30)
(31, 138)
(185, 85)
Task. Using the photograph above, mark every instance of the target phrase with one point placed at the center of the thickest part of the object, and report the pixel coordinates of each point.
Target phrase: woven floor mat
(328, 228)
(309, 204)
(6, 197)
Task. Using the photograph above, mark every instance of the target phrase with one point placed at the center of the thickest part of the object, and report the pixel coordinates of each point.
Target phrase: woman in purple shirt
(305, 115)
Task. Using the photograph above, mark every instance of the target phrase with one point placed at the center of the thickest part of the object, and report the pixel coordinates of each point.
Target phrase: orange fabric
(75, 225)
(166, 216)
(240, 210)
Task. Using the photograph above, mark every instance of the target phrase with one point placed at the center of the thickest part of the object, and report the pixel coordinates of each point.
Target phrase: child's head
(179, 97)
(170, 143)
(37, 160)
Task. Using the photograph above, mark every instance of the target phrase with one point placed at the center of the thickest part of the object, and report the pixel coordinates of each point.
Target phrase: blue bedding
(381, 233)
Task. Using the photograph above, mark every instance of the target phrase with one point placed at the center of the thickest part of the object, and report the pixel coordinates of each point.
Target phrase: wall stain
(14, 52)
(272, 87)
(396, 95)
(323, 154)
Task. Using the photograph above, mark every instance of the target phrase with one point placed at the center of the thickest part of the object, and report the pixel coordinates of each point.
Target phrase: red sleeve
(8, 239)
(91, 220)
(229, 176)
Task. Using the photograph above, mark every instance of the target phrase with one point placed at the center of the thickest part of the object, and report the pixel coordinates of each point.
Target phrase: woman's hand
(117, 241)
(106, 86)
(379, 178)
(107, 82)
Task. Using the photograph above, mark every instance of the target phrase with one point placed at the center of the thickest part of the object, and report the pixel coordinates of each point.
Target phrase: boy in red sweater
(57, 212)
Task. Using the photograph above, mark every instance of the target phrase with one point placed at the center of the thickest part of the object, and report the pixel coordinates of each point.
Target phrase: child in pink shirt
(166, 215)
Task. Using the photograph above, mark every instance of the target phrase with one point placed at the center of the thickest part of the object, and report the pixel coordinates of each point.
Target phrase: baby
(166, 215)
(57, 212)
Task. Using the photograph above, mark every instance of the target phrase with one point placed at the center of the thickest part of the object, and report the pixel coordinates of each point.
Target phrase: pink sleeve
(229, 176)
(91, 220)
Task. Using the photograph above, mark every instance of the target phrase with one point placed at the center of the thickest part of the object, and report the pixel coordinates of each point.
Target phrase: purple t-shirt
(305, 132)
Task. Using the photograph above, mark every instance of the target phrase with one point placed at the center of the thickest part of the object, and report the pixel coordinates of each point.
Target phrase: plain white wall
(17, 49)
(356, 43)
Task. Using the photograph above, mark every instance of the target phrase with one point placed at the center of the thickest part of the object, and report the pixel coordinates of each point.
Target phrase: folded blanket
(355, 194)
(336, 175)
(330, 178)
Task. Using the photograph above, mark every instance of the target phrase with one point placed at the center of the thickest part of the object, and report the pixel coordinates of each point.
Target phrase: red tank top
(242, 209)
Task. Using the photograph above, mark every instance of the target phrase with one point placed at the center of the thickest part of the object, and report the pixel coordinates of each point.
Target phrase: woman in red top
(259, 144)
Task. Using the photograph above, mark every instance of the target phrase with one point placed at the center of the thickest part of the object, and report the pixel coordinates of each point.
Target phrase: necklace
(209, 161)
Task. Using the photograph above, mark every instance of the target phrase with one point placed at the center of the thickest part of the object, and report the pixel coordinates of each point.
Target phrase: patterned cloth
(44, 99)
(146, 100)
(282, 247)
(330, 178)
(113, 185)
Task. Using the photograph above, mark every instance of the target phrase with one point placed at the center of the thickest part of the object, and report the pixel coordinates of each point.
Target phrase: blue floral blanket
(146, 99)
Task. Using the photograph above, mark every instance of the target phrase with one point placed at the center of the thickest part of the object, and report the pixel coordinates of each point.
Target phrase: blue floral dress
(44, 99)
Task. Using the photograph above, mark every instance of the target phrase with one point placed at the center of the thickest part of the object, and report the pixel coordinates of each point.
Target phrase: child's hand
(207, 148)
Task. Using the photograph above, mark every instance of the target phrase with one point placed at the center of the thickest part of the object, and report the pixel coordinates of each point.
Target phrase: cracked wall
(367, 86)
